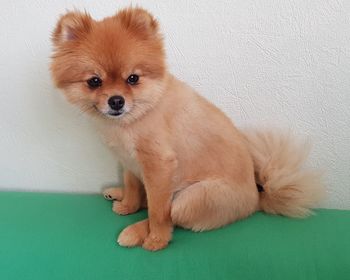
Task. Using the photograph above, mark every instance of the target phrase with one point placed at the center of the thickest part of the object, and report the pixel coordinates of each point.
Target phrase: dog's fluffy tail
(289, 188)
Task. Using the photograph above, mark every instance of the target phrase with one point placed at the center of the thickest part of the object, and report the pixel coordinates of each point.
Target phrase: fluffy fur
(289, 188)
(183, 158)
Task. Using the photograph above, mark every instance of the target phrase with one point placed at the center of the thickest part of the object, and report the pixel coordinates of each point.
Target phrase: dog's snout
(116, 102)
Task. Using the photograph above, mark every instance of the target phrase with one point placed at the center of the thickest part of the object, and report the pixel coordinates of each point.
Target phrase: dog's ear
(139, 21)
(71, 26)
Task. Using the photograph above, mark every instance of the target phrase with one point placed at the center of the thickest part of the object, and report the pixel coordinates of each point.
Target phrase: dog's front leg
(158, 174)
(133, 194)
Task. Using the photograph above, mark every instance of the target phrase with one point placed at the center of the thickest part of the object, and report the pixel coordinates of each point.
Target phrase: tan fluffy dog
(183, 158)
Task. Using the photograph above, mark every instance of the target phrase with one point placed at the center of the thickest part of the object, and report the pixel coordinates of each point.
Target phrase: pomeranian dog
(183, 158)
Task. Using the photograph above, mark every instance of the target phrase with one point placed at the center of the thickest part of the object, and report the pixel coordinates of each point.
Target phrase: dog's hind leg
(210, 204)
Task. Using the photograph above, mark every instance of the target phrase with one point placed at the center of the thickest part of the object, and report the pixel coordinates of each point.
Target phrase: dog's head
(114, 68)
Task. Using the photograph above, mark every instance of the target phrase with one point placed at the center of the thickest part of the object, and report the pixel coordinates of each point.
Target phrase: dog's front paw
(129, 238)
(123, 209)
(155, 243)
(113, 194)
(133, 235)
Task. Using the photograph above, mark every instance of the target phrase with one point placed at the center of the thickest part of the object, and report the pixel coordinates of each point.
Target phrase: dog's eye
(132, 79)
(94, 82)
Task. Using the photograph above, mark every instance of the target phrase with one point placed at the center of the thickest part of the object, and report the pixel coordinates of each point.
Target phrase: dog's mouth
(115, 113)
(110, 113)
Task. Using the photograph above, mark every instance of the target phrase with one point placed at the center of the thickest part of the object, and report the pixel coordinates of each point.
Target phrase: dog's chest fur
(123, 143)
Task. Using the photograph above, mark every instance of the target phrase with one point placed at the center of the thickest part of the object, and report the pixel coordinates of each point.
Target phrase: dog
(183, 158)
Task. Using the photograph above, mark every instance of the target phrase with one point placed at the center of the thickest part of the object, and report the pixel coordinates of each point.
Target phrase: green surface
(57, 236)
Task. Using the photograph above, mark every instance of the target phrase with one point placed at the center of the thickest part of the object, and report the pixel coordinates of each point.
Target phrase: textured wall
(276, 62)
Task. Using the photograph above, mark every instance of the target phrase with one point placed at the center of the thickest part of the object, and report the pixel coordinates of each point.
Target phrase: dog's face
(112, 68)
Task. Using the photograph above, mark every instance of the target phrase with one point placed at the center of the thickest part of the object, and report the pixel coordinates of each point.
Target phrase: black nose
(116, 102)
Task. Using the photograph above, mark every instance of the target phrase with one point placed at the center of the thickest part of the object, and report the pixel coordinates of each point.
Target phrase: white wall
(285, 63)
